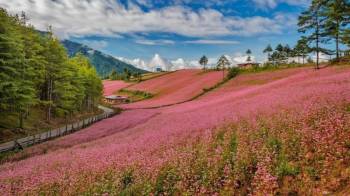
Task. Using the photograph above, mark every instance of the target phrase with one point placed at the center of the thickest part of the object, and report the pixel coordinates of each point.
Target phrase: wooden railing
(65, 130)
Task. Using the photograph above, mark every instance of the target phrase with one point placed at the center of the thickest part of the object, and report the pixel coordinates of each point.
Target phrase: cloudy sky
(173, 28)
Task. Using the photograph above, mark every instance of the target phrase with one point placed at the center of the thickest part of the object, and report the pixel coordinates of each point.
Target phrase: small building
(115, 99)
(248, 65)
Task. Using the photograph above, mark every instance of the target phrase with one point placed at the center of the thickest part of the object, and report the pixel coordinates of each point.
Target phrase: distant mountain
(103, 63)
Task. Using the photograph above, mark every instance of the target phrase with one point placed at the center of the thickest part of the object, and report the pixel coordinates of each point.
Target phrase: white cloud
(98, 45)
(215, 42)
(154, 42)
(110, 18)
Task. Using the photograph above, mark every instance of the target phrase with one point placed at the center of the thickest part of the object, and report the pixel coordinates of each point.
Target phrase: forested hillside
(103, 63)
(36, 73)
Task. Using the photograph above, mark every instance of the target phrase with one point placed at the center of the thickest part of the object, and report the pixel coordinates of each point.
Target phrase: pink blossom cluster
(148, 137)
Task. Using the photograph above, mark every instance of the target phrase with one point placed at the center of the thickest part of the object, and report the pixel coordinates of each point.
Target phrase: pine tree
(56, 58)
(345, 38)
(92, 83)
(222, 63)
(203, 61)
(313, 20)
(249, 52)
(17, 89)
(287, 51)
(302, 48)
(268, 50)
(337, 16)
(11, 50)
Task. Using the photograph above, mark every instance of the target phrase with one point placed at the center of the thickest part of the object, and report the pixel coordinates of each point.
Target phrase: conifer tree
(222, 63)
(302, 48)
(268, 50)
(337, 16)
(203, 61)
(56, 58)
(249, 52)
(313, 21)
(17, 89)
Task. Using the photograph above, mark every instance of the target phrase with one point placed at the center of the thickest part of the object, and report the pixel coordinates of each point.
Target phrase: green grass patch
(134, 96)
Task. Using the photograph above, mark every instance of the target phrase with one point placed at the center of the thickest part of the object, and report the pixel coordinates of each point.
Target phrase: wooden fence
(65, 130)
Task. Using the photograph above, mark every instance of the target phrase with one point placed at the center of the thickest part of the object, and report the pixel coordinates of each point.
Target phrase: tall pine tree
(312, 20)
(336, 13)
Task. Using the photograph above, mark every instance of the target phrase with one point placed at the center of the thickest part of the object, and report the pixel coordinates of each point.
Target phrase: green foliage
(322, 21)
(286, 169)
(232, 72)
(203, 61)
(313, 173)
(222, 63)
(337, 17)
(166, 181)
(137, 95)
(35, 70)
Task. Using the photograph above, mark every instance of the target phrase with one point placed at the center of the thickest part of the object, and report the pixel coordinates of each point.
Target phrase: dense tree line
(126, 75)
(35, 71)
(282, 53)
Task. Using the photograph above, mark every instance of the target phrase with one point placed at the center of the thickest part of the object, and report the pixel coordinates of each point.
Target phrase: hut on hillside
(248, 65)
(116, 99)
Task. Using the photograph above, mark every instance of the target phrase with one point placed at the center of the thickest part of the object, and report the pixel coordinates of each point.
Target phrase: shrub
(232, 72)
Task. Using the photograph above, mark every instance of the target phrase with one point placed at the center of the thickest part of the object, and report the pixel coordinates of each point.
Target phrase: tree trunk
(223, 73)
(317, 43)
(337, 45)
(337, 40)
(49, 96)
(21, 116)
(303, 59)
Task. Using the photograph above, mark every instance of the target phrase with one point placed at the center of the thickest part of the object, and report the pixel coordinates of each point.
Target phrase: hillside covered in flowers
(274, 132)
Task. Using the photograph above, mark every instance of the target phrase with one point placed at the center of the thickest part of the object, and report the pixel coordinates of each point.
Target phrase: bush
(232, 72)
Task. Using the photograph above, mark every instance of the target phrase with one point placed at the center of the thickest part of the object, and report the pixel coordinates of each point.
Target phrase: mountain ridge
(103, 63)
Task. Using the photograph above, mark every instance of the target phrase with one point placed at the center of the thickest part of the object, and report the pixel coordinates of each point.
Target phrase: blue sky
(175, 29)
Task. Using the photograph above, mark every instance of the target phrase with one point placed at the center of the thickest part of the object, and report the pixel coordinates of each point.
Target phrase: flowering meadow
(174, 87)
(111, 86)
(273, 133)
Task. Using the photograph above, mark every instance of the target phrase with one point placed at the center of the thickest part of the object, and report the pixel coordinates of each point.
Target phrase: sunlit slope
(153, 137)
(174, 87)
(112, 86)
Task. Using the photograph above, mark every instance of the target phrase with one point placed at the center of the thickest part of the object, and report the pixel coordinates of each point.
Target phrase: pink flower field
(267, 133)
(174, 88)
(110, 87)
